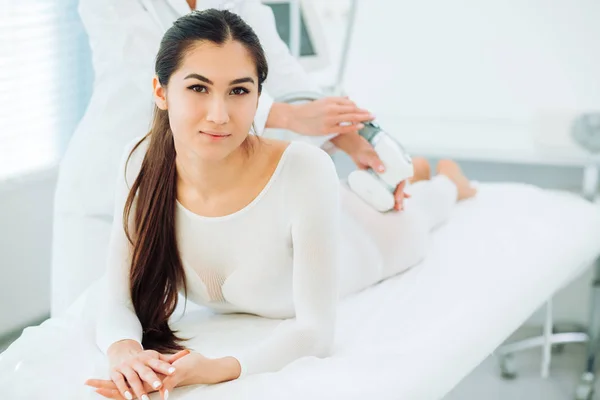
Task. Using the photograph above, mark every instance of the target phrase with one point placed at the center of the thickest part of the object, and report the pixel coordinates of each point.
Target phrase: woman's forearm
(211, 371)
(226, 369)
(229, 368)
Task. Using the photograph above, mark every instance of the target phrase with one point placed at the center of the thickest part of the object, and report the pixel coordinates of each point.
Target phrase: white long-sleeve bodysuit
(124, 37)
(280, 256)
(276, 257)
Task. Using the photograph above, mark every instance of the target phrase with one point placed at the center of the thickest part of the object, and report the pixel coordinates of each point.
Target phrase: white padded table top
(414, 336)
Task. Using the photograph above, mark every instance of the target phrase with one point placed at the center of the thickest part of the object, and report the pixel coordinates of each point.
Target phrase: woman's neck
(192, 4)
(209, 179)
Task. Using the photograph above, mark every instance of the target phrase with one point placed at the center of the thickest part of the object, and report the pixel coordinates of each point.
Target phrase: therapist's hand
(329, 115)
(365, 156)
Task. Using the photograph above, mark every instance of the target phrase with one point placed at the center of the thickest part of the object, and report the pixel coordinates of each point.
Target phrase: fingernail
(128, 395)
(156, 385)
(166, 395)
(171, 370)
(380, 168)
(145, 397)
(360, 126)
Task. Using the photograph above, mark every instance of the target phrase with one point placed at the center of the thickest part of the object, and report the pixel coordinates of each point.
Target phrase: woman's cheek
(249, 110)
(189, 111)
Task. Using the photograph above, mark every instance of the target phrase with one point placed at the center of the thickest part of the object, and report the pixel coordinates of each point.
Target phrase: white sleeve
(312, 193)
(262, 112)
(124, 40)
(117, 319)
(286, 75)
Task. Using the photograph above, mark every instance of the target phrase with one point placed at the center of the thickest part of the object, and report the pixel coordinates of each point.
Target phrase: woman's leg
(379, 245)
(422, 170)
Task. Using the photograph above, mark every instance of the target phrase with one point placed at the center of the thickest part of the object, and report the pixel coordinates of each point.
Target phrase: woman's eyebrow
(200, 78)
(242, 80)
(205, 79)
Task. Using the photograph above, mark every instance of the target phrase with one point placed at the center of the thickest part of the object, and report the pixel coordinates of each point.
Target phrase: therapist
(124, 37)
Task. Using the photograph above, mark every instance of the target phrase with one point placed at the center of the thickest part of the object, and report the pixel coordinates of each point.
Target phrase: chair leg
(547, 346)
(585, 390)
(551, 338)
(506, 352)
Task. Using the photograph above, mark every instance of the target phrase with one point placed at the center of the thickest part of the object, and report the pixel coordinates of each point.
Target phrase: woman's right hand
(131, 367)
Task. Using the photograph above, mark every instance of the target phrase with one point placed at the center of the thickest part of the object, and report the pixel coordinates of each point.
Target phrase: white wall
(25, 245)
(471, 58)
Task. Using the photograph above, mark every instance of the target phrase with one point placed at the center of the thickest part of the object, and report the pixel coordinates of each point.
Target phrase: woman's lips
(216, 135)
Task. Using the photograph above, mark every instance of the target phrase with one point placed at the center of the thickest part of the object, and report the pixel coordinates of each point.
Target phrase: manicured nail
(128, 395)
(156, 385)
(166, 395)
(145, 397)
(380, 168)
(171, 370)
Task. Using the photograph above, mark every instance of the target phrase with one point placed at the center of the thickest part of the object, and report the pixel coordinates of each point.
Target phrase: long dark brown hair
(156, 268)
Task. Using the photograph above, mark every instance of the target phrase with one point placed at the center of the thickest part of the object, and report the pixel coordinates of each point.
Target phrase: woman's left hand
(400, 196)
(192, 369)
(365, 156)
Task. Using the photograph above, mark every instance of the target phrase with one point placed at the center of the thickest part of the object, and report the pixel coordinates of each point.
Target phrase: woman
(238, 223)
(124, 37)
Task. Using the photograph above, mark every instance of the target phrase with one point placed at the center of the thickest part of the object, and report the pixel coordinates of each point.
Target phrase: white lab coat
(124, 37)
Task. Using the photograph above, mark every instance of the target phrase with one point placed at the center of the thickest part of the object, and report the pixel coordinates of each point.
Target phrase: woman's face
(211, 99)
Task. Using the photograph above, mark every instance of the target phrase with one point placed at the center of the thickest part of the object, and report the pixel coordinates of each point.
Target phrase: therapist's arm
(318, 118)
(314, 122)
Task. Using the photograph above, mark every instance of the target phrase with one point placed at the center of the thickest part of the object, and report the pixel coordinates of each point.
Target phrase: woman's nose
(217, 112)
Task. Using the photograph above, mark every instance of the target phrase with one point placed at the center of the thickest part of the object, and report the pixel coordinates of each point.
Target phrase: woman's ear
(159, 94)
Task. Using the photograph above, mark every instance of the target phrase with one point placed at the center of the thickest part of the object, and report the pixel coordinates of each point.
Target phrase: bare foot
(422, 170)
(452, 170)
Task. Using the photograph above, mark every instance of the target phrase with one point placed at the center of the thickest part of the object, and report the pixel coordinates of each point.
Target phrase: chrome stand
(553, 340)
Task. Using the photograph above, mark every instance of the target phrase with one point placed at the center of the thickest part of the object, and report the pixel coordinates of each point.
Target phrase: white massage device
(376, 188)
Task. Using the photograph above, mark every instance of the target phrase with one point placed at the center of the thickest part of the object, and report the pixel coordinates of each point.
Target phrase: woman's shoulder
(308, 167)
(310, 180)
(306, 158)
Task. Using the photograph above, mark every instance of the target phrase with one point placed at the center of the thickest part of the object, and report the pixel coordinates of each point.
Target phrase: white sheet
(414, 336)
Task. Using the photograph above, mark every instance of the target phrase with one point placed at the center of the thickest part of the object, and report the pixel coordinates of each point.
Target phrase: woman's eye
(239, 91)
(198, 88)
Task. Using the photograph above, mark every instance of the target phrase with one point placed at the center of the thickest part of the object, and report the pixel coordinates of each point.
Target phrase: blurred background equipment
(304, 35)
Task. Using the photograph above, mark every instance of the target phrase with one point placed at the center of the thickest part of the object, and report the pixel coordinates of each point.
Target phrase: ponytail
(156, 268)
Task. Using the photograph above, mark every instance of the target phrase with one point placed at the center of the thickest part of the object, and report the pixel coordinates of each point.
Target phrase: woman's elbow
(321, 340)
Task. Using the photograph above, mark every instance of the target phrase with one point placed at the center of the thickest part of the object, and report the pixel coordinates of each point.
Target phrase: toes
(467, 193)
